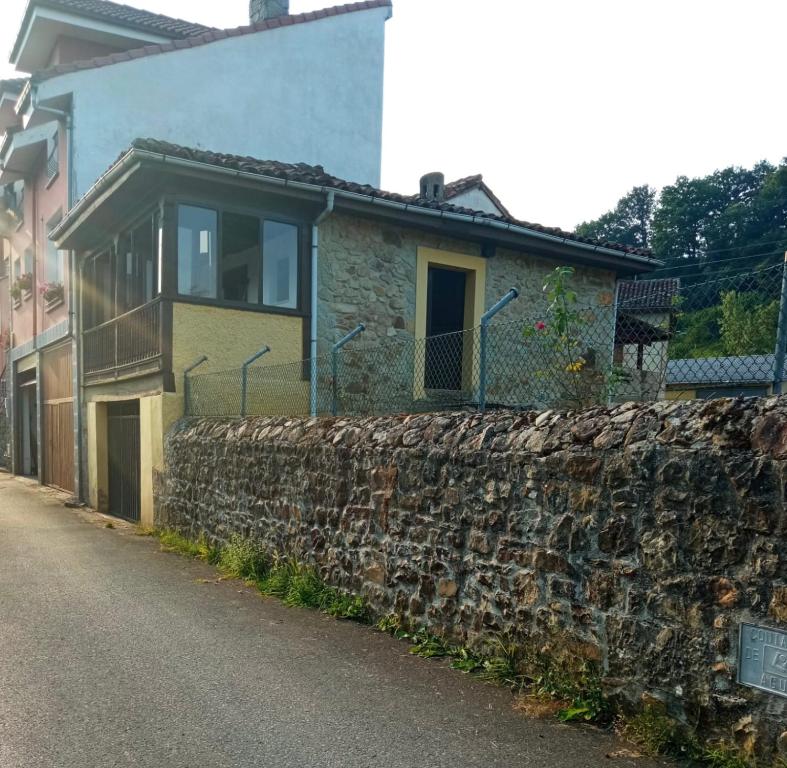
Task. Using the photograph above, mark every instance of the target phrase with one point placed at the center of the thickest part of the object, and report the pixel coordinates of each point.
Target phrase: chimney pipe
(433, 187)
(262, 10)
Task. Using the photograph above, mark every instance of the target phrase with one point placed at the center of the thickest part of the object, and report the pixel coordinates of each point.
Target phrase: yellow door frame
(475, 292)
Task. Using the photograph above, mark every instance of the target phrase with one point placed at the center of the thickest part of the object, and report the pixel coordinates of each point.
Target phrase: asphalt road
(115, 654)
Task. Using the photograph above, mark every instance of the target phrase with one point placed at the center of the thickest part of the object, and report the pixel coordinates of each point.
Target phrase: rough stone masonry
(639, 537)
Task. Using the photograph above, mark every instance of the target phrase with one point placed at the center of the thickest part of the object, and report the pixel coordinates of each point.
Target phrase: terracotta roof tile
(211, 35)
(317, 176)
(115, 13)
(459, 186)
(649, 295)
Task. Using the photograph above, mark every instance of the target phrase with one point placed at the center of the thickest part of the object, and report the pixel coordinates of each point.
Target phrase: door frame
(475, 303)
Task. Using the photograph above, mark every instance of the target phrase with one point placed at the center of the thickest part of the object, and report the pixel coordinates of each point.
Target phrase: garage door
(57, 396)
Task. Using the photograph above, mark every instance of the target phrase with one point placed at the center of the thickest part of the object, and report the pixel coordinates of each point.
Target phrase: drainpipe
(329, 205)
(67, 118)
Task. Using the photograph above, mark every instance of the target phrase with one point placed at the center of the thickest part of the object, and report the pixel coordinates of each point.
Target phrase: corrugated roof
(205, 37)
(739, 369)
(116, 13)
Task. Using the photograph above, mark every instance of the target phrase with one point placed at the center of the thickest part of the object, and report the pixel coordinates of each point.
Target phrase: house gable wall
(310, 93)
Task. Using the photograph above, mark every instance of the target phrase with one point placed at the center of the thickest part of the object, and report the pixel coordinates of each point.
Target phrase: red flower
(540, 325)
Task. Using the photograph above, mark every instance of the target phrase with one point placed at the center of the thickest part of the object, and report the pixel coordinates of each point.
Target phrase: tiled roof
(116, 13)
(317, 176)
(649, 295)
(206, 36)
(458, 187)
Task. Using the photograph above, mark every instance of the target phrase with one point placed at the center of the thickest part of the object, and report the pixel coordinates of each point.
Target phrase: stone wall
(639, 537)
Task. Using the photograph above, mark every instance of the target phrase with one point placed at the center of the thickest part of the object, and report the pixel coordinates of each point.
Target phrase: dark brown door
(445, 321)
(124, 460)
(57, 418)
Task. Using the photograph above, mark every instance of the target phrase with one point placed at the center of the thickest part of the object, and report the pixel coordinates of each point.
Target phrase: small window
(197, 233)
(240, 258)
(53, 267)
(280, 265)
(27, 266)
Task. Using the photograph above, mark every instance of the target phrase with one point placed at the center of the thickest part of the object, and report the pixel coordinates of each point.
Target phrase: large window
(197, 234)
(124, 277)
(240, 258)
(137, 265)
(280, 265)
(257, 259)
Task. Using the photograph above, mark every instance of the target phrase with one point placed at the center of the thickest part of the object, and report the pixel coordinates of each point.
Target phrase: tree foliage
(731, 220)
(629, 223)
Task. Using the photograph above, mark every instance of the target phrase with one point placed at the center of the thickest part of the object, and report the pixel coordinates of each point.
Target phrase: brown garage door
(57, 395)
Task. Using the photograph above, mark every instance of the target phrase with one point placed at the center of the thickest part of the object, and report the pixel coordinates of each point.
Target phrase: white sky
(563, 105)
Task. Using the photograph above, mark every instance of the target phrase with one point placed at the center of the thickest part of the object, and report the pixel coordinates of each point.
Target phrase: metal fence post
(486, 318)
(244, 377)
(187, 385)
(335, 365)
(781, 335)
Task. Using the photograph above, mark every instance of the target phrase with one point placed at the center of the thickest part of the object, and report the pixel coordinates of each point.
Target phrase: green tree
(629, 223)
(705, 222)
(747, 324)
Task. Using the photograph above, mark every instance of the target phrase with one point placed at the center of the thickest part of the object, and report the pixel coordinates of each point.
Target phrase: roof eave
(602, 253)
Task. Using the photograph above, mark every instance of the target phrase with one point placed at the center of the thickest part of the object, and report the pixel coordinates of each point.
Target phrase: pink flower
(540, 325)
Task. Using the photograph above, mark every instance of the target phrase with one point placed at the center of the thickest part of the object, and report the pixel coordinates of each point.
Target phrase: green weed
(110, 524)
(201, 549)
(343, 606)
(724, 755)
(243, 559)
(655, 733)
(390, 624)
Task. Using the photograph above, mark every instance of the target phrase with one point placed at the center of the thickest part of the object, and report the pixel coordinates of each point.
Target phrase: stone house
(243, 254)
(96, 74)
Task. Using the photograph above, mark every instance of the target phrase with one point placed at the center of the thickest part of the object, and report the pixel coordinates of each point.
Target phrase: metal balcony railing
(124, 341)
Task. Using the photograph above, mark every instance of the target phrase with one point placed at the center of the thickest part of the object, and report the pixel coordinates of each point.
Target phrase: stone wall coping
(752, 424)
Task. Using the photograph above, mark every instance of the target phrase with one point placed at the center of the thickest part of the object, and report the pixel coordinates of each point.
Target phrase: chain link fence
(658, 339)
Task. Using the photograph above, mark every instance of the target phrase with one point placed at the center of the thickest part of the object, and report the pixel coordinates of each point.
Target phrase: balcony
(127, 345)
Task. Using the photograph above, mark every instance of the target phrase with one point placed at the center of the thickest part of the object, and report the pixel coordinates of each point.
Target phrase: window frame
(261, 214)
(59, 255)
(151, 213)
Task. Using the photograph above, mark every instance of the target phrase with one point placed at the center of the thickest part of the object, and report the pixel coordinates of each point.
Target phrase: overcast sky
(563, 105)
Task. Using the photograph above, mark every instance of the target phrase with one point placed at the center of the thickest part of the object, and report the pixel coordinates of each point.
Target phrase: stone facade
(368, 275)
(639, 537)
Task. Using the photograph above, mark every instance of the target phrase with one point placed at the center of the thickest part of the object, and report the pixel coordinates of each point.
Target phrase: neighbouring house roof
(460, 186)
(649, 295)
(740, 369)
(115, 13)
(316, 176)
(203, 37)
(630, 329)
